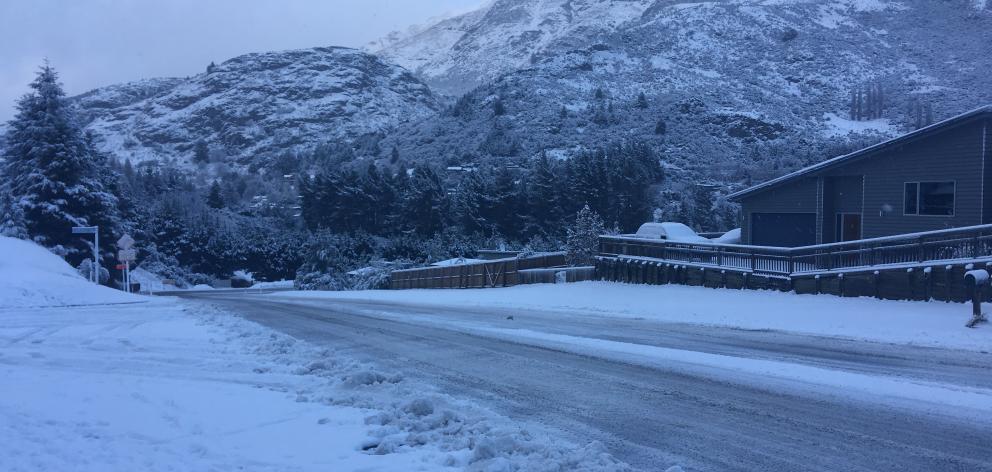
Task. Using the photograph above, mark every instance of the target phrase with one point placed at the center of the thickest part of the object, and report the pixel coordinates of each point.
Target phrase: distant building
(933, 178)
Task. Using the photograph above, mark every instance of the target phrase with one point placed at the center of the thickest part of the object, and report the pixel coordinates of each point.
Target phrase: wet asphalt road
(656, 417)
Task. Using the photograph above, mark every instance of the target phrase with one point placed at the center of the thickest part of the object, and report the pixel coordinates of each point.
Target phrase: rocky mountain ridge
(256, 106)
(721, 88)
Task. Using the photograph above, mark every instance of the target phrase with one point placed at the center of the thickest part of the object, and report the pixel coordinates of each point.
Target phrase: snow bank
(32, 276)
(171, 385)
(730, 237)
(902, 322)
(275, 284)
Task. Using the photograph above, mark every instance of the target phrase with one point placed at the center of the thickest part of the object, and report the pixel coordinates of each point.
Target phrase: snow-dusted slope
(733, 81)
(30, 276)
(459, 53)
(257, 105)
(103, 101)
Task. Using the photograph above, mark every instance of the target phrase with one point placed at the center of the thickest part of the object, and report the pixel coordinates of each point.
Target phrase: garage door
(783, 229)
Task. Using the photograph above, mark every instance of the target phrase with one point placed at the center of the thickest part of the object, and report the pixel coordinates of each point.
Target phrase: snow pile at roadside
(280, 284)
(32, 276)
(171, 385)
(410, 418)
(902, 322)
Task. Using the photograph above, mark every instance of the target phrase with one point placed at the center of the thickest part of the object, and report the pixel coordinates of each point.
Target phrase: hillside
(733, 91)
(256, 105)
(730, 91)
(459, 53)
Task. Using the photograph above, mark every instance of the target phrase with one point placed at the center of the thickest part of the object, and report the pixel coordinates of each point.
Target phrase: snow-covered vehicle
(669, 231)
(730, 237)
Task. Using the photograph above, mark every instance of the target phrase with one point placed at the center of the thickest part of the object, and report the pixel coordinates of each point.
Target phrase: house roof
(984, 111)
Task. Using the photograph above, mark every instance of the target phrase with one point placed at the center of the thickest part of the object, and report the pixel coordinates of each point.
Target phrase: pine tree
(471, 201)
(588, 179)
(380, 198)
(53, 176)
(498, 108)
(505, 198)
(642, 101)
(424, 204)
(702, 208)
(660, 128)
(394, 156)
(544, 197)
(582, 242)
(201, 153)
(214, 198)
(11, 218)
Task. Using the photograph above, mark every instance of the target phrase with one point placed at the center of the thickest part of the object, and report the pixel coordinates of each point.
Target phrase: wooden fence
(557, 274)
(909, 249)
(919, 266)
(497, 273)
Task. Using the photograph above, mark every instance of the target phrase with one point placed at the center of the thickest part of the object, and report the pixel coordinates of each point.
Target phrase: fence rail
(497, 273)
(915, 248)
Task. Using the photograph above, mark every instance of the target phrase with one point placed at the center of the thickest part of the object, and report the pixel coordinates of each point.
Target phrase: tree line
(506, 202)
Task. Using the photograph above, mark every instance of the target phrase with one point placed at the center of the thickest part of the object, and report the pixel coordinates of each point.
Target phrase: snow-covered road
(657, 392)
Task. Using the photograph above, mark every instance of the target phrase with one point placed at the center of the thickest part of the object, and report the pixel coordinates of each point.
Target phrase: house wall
(794, 197)
(987, 185)
(952, 155)
(961, 154)
(843, 194)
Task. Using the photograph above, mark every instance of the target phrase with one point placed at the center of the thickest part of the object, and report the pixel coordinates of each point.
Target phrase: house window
(929, 198)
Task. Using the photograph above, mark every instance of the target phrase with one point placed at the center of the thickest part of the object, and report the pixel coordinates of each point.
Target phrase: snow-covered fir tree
(11, 217)
(53, 177)
(214, 198)
(582, 243)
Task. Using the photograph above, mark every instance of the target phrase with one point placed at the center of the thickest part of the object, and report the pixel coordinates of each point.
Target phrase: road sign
(119, 267)
(126, 242)
(127, 255)
(84, 229)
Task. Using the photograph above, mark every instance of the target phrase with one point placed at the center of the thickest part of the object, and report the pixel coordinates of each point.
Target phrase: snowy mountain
(256, 105)
(725, 83)
(459, 53)
(730, 91)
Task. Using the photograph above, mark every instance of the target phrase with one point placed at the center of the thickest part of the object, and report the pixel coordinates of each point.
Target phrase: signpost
(126, 253)
(95, 267)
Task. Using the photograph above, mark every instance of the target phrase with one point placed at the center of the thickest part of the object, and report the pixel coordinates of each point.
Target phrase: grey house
(933, 178)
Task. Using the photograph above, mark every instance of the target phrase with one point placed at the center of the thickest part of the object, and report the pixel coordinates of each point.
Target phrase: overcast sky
(93, 43)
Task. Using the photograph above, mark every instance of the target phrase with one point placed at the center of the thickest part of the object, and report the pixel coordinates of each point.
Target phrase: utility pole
(95, 267)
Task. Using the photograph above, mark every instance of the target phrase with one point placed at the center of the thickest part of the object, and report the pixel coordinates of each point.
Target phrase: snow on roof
(456, 261)
(984, 110)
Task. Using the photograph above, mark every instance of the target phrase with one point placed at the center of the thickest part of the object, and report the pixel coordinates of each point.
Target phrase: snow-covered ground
(918, 323)
(32, 276)
(149, 383)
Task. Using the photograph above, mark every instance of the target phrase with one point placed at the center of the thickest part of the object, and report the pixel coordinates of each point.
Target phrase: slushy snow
(901, 322)
(157, 384)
